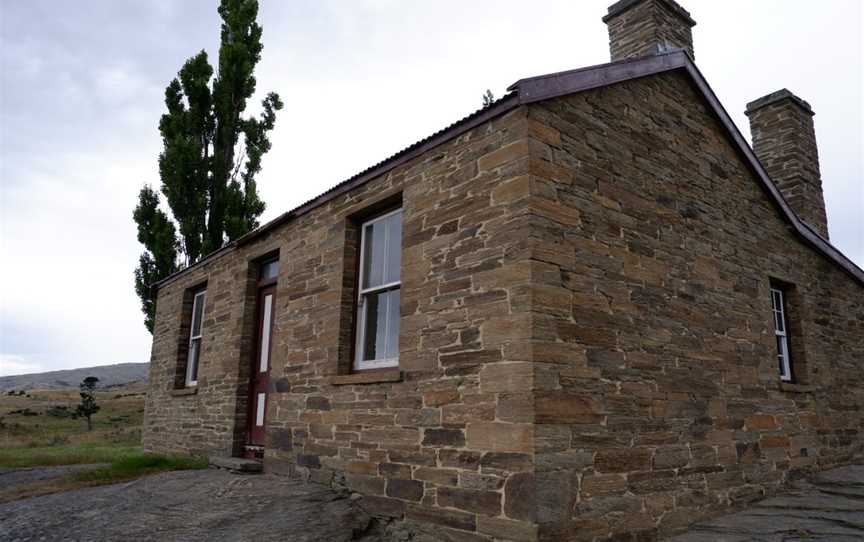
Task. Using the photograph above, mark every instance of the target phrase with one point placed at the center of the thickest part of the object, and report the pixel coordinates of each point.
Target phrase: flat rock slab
(828, 506)
(184, 506)
(237, 464)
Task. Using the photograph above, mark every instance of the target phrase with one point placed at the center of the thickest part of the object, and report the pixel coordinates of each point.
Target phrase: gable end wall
(668, 406)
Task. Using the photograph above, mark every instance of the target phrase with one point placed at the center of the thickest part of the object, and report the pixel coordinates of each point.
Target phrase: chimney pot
(784, 140)
(640, 28)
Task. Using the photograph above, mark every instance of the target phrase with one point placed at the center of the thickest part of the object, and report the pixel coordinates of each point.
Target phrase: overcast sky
(82, 92)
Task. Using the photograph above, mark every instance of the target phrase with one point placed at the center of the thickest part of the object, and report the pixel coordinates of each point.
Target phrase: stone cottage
(588, 310)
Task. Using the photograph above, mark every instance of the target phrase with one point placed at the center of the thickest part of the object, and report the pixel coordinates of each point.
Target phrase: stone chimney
(645, 27)
(784, 140)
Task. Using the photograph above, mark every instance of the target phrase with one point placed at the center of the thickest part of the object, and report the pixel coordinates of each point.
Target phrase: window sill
(368, 377)
(796, 388)
(181, 392)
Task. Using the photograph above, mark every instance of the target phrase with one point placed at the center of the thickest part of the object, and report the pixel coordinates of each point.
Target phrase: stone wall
(670, 407)
(210, 418)
(585, 332)
(451, 443)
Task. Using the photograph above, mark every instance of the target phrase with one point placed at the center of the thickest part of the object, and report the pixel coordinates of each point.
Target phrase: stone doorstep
(236, 464)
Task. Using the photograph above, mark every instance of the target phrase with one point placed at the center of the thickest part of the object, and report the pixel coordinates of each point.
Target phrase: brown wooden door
(260, 373)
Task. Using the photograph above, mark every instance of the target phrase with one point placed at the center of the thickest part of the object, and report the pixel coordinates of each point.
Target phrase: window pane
(783, 358)
(373, 255)
(777, 305)
(777, 301)
(375, 325)
(197, 313)
(394, 247)
(779, 313)
(192, 361)
(370, 325)
(393, 324)
(381, 337)
(270, 270)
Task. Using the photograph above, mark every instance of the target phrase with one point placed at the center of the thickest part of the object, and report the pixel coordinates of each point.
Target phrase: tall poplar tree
(207, 172)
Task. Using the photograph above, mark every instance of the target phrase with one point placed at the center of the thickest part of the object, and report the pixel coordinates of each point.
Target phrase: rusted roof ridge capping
(543, 87)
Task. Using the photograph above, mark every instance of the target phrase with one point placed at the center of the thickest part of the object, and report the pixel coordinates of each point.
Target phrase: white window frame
(781, 332)
(362, 293)
(200, 297)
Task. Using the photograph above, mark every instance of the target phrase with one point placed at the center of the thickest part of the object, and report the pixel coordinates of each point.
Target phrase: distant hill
(109, 376)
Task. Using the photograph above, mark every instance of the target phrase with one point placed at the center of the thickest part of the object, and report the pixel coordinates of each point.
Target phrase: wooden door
(260, 372)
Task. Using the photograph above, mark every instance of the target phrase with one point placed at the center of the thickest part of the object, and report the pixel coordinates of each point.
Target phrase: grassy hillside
(39, 428)
(119, 374)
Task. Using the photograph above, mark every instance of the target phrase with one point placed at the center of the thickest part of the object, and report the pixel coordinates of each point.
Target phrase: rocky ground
(17, 477)
(218, 505)
(187, 506)
(828, 506)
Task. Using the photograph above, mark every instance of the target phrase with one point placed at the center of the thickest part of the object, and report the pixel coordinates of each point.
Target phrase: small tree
(88, 405)
(488, 98)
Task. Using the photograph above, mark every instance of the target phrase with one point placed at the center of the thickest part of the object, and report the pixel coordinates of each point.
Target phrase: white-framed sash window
(378, 292)
(778, 306)
(195, 338)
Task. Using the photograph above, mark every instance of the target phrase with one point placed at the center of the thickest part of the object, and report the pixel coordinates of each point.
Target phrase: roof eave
(499, 107)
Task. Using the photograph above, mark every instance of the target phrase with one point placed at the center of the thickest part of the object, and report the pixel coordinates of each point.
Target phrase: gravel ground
(186, 506)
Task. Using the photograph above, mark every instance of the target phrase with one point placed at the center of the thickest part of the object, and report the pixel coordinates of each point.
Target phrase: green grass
(122, 469)
(42, 418)
(137, 465)
(36, 429)
(71, 454)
